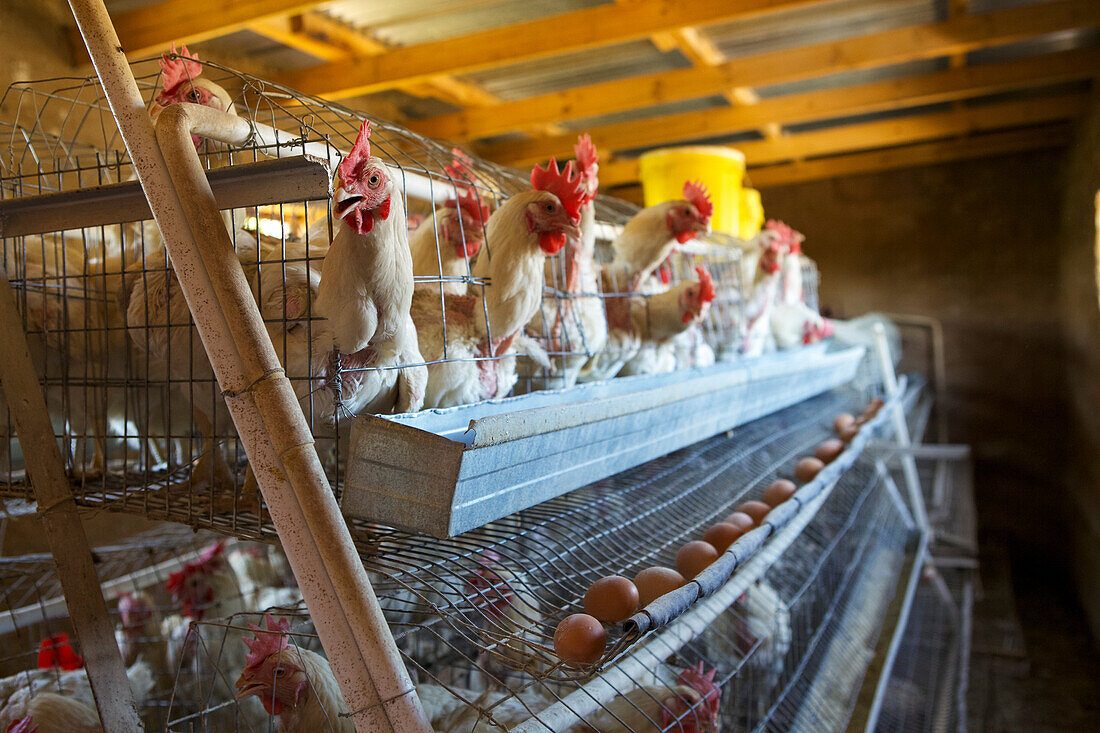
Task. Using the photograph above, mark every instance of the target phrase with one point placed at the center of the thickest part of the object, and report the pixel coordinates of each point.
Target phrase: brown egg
(579, 640)
(778, 492)
(652, 583)
(740, 520)
(807, 468)
(722, 535)
(849, 432)
(755, 509)
(611, 599)
(694, 557)
(829, 450)
(842, 421)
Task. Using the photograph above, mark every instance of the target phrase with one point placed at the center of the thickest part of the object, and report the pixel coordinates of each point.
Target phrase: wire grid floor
(927, 688)
(767, 649)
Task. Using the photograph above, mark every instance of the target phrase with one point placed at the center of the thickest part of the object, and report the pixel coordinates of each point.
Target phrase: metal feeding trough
(445, 472)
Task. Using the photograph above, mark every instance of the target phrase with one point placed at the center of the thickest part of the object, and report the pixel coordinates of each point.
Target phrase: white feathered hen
(471, 361)
(366, 290)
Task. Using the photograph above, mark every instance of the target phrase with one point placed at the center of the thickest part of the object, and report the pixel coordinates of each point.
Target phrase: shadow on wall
(971, 244)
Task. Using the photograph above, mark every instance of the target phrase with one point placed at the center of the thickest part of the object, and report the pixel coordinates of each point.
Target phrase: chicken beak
(246, 688)
(571, 230)
(703, 227)
(343, 202)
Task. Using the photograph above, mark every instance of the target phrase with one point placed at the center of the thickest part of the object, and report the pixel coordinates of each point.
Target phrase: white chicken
(652, 234)
(573, 325)
(508, 613)
(445, 244)
(762, 295)
(641, 328)
(182, 81)
(60, 673)
(48, 712)
(365, 293)
(472, 349)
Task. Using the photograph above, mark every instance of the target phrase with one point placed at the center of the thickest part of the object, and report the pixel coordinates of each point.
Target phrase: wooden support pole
(61, 524)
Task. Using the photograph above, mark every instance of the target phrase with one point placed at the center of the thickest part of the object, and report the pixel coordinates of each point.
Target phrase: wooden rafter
(603, 25)
(325, 38)
(886, 133)
(150, 29)
(951, 85)
(940, 151)
(878, 49)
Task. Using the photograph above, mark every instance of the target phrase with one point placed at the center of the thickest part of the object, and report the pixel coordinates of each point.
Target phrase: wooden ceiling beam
(289, 32)
(352, 43)
(955, 84)
(886, 133)
(877, 49)
(151, 29)
(595, 27)
(940, 151)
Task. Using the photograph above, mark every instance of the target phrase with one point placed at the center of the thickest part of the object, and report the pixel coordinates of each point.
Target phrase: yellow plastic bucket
(663, 173)
(752, 213)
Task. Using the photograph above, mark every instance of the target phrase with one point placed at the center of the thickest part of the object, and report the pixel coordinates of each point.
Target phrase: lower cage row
(473, 615)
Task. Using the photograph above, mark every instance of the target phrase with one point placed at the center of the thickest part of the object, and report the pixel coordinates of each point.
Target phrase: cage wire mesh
(134, 402)
(927, 687)
(155, 584)
(474, 616)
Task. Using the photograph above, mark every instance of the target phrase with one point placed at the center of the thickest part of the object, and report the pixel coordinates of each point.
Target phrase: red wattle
(551, 242)
(685, 236)
(686, 318)
(384, 209)
(666, 275)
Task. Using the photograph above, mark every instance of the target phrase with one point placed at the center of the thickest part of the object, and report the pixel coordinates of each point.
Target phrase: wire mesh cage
(156, 583)
(135, 405)
(927, 688)
(474, 616)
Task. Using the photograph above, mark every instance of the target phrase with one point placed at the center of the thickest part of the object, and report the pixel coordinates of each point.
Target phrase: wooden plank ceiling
(807, 89)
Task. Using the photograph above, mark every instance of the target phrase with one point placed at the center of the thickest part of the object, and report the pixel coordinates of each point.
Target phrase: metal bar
(901, 428)
(55, 607)
(276, 181)
(338, 594)
(939, 364)
(61, 524)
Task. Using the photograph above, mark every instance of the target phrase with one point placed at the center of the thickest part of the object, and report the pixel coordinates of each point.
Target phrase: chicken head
(191, 587)
(180, 77)
(684, 714)
(364, 186)
(691, 217)
(270, 672)
(695, 300)
(554, 216)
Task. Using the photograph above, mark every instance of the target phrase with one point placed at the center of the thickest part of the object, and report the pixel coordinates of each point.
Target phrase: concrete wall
(973, 244)
(1080, 307)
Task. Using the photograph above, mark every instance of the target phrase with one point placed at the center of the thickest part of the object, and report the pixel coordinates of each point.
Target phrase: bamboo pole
(265, 410)
(61, 524)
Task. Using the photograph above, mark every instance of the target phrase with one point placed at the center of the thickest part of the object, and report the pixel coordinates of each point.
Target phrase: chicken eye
(194, 95)
(279, 671)
(374, 180)
(550, 208)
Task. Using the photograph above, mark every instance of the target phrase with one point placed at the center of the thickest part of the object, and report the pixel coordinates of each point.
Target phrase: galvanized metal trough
(444, 472)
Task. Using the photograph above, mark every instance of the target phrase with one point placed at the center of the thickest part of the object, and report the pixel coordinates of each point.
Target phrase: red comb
(54, 651)
(472, 204)
(359, 151)
(175, 71)
(707, 293)
(23, 725)
(703, 683)
(212, 552)
(268, 641)
(696, 193)
(460, 168)
(565, 184)
(588, 159)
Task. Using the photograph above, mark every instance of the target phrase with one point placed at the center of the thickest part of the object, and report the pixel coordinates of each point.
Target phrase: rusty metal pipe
(350, 624)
